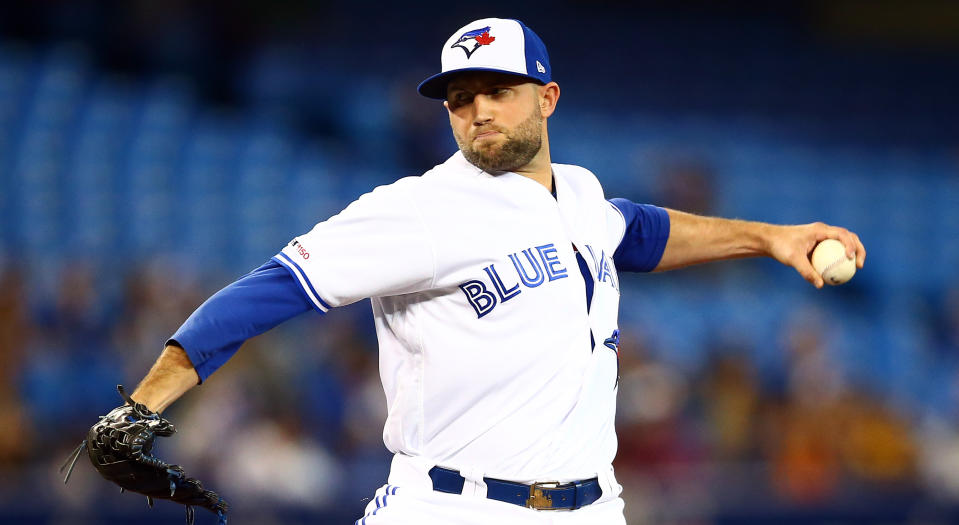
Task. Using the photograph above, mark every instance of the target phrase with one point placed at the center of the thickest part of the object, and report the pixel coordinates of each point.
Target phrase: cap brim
(435, 86)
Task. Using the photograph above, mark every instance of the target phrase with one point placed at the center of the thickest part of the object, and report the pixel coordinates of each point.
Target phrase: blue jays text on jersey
(533, 266)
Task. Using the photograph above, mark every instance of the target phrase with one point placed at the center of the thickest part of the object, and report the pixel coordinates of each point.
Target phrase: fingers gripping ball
(120, 446)
(829, 259)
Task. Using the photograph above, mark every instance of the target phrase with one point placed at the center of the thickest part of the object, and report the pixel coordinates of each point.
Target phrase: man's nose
(483, 110)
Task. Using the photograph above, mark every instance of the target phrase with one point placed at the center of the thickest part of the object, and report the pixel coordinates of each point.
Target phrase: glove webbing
(174, 475)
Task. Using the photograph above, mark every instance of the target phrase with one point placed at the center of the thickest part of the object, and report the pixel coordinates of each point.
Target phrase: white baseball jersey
(490, 356)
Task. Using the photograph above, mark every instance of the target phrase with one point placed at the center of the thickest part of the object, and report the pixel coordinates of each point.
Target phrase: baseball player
(494, 281)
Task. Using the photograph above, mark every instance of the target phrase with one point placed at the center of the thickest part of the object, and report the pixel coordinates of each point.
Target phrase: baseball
(829, 259)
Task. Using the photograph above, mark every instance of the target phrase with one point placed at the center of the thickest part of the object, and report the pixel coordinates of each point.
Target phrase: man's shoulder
(572, 170)
(416, 186)
(583, 181)
(456, 164)
(396, 189)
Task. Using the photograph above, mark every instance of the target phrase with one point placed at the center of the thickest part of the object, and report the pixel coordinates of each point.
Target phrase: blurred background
(153, 152)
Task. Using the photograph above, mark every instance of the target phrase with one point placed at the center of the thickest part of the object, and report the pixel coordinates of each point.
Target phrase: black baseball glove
(120, 446)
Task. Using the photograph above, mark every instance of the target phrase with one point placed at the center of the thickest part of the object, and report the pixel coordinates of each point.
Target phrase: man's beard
(522, 144)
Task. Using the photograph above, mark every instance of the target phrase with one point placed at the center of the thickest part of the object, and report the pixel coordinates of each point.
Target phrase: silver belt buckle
(538, 499)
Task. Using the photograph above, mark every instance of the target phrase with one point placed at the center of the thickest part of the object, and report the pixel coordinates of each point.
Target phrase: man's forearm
(169, 378)
(695, 239)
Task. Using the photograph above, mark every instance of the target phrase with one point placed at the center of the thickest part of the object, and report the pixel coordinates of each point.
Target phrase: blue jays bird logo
(612, 342)
(480, 37)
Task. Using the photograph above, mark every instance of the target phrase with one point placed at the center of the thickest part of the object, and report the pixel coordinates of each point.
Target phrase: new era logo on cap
(490, 44)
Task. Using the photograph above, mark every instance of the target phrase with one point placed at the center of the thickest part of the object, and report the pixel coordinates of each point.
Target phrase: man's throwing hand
(792, 245)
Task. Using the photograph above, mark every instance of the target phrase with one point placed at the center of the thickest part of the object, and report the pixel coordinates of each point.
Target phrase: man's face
(496, 119)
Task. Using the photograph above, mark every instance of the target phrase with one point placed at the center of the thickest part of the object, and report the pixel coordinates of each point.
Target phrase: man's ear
(548, 97)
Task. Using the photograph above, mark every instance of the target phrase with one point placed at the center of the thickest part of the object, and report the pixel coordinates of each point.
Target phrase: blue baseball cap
(490, 44)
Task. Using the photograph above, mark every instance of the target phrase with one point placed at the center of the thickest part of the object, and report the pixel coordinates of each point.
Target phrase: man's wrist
(169, 378)
(761, 235)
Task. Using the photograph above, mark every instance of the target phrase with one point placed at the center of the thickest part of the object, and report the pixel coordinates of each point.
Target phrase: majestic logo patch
(480, 37)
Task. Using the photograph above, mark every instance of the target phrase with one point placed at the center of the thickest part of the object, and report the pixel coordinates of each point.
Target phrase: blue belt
(540, 496)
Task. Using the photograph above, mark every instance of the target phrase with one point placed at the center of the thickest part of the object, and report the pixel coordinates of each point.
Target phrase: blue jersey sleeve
(647, 229)
(255, 303)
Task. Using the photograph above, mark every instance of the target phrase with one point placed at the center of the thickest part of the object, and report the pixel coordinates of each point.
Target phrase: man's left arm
(695, 239)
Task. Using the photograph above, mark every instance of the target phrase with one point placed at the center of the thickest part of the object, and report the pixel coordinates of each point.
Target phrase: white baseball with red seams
(830, 261)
